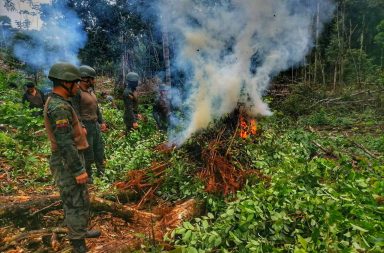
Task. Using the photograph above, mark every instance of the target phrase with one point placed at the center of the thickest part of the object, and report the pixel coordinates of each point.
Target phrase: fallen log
(20, 206)
(26, 206)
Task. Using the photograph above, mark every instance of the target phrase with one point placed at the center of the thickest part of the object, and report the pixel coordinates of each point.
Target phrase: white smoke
(59, 39)
(230, 50)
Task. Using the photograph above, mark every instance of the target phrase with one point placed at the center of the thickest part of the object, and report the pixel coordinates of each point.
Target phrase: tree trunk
(317, 42)
(155, 53)
(167, 62)
(335, 77)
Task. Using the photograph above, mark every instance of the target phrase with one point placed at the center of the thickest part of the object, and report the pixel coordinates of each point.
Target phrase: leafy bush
(299, 102)
(311, 205)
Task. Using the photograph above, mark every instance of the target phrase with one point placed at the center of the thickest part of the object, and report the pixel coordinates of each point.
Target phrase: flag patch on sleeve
(61, 123)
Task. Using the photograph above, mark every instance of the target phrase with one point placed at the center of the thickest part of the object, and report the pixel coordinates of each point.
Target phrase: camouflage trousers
(95, 152)
(161, 120)
(74, 196)
(128, 121)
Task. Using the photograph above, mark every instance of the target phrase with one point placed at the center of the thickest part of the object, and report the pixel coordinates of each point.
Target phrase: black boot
(88, 168)
(92, 234)
(79, 246)
(100, 169)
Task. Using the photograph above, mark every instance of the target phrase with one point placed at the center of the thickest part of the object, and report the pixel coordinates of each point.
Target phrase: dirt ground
(143, 231)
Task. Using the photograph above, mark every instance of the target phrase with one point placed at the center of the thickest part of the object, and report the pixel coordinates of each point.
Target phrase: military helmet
(87, 71)
(132, 77)
(64, 71)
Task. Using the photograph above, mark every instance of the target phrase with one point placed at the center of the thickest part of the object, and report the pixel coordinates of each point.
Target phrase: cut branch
(331, 100)
(118, 210)
(34, 234)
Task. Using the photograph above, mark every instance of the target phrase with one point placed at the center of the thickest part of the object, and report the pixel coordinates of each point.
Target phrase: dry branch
(31, 235)
(361, 146)
(118, 210)
(174, 218)
(220, 175)
(328, 152)
(331, 100)
(144, 182)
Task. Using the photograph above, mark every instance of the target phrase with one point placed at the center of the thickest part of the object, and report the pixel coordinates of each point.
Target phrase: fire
(248, 126)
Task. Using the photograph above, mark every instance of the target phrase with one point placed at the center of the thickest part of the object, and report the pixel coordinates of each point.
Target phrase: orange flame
(253, 126)
(247, 127)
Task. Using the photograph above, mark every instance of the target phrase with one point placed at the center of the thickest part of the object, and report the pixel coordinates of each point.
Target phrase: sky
(20, 6)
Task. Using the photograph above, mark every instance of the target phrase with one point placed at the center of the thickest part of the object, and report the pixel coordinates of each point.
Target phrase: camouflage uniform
(66, 163)
(36, 101)
(161, 109)
(130, 108)
(91, 119)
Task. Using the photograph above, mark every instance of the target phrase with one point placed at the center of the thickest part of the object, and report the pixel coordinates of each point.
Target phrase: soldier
(130, 102)
(161, 109)
(35, 97)
(87, 109)
(67, 142)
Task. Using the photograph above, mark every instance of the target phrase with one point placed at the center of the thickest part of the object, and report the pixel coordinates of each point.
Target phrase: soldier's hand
(135, 125)
(139, 117)
(84, 131)
(82, 178)
(103, 127)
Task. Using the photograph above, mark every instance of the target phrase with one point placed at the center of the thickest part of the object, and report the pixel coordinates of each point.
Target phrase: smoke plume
(228, 51)
(59, 39)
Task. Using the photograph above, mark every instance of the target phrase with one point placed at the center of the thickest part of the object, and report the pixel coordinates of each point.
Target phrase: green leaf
(205, 224)
(217, 241)
(355, 227)
(188, 225)
(187, 236)
(297, 250)
(235, 238)
(302, 241)
(191, 250)
(230, 212)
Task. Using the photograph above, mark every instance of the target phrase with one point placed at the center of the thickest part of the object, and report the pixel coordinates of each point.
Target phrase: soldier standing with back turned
(130, 102)
(67, 143)
(87, 109)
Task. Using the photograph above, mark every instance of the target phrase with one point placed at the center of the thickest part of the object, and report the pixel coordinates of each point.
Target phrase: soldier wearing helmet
(86, 105)
(68, 141)
(130, 102)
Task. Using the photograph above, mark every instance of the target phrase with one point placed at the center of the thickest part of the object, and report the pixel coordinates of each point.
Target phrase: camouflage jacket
(65, 132)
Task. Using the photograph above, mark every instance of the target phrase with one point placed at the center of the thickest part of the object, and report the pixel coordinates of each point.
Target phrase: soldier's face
(31, 90)
(92, 82)
(73, 88)
(87, 82)
(84, 84)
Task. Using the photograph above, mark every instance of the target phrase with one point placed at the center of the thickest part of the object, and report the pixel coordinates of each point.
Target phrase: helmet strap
(69, 90)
